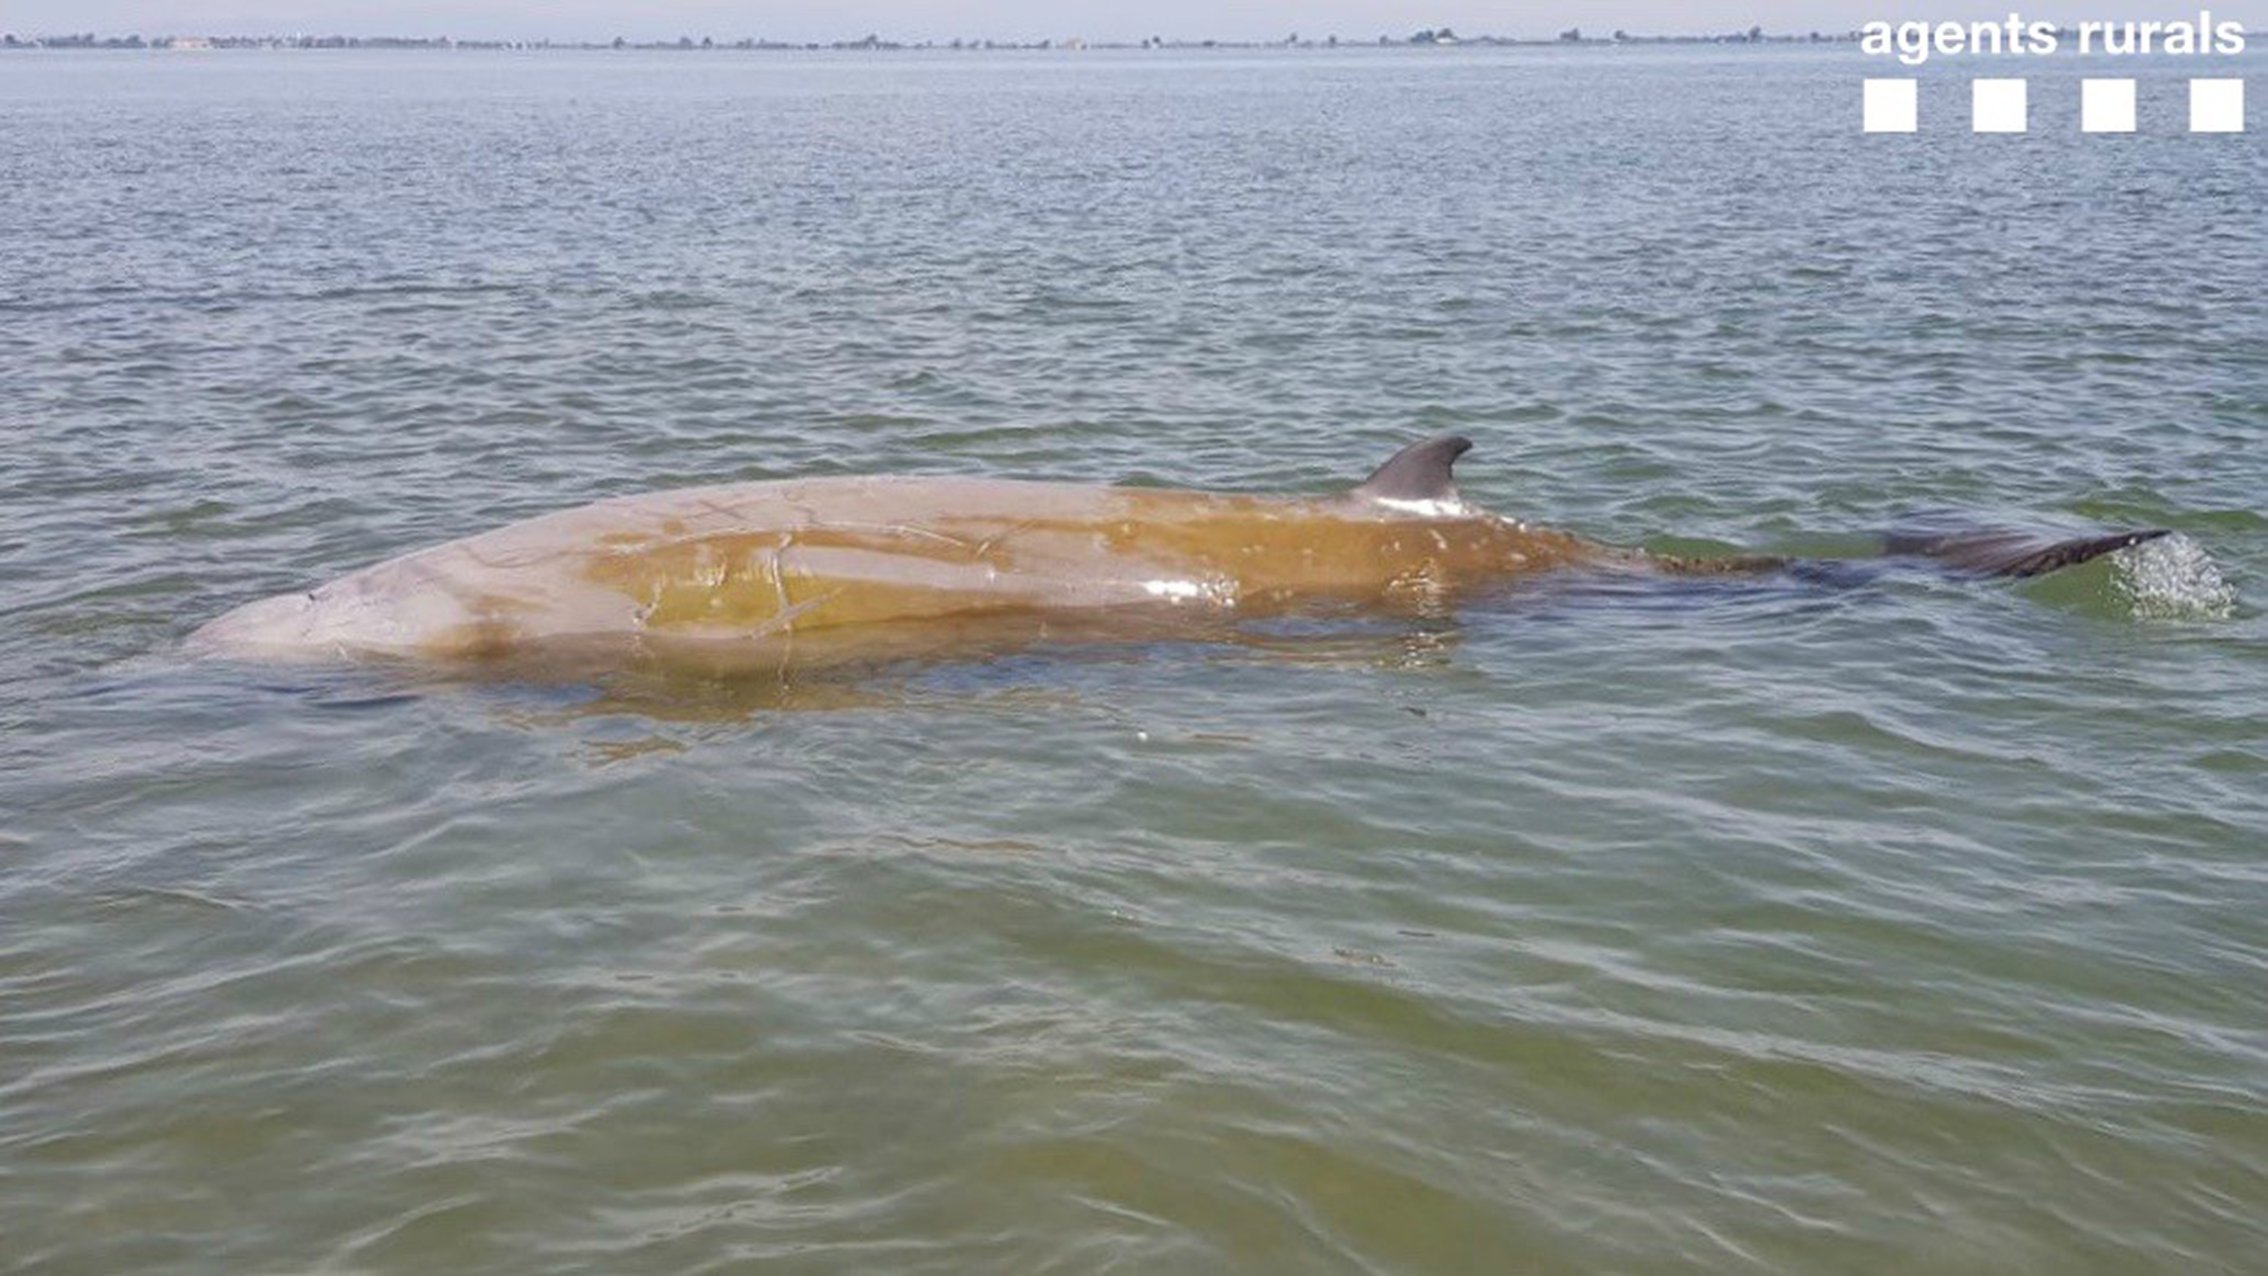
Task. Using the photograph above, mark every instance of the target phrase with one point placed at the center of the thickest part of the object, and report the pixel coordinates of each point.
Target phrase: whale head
(370, 612)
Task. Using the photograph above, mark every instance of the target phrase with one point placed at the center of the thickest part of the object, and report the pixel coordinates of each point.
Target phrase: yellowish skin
(762, 574)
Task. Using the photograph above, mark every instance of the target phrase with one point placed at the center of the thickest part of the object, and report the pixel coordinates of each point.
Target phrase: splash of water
(2172, 578)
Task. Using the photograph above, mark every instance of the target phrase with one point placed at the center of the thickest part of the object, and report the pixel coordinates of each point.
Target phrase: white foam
(2172, 578)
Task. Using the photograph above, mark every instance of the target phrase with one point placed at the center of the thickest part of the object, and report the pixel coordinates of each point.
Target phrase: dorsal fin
(1419, 472)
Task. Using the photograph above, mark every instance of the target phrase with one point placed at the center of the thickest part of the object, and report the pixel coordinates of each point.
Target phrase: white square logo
(1892, 106)
(2216, 106)
(1997, 105)
(2106, 106)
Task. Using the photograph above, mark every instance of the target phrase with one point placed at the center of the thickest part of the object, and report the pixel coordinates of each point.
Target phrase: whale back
(760, 568)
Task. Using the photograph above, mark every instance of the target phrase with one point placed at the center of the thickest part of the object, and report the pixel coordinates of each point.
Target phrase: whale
(773, 574)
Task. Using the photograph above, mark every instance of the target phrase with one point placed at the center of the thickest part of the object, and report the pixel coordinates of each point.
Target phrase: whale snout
(270, 625)
(392, 609)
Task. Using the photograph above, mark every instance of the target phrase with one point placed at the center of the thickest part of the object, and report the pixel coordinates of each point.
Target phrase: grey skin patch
(1419, 472)
(2003, 553)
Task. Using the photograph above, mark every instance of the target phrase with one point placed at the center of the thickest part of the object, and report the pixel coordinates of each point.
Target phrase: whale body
(765, 573)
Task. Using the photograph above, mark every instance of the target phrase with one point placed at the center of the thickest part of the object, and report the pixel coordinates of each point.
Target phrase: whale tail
(1422, 475)
(2007, 553)
(1974, 552)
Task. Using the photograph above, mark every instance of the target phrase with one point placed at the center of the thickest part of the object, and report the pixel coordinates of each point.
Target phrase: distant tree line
(1429, 36)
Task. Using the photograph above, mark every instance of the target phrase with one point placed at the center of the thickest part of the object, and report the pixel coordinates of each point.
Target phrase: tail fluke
(1989, 552)
(2006, 553)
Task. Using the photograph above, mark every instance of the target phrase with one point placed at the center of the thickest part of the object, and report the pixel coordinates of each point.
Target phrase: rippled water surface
(1918, 925)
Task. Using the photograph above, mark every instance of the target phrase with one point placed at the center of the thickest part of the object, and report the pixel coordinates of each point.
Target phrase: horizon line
(1423, 37)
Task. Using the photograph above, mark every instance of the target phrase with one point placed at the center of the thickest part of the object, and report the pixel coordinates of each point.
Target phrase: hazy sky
(1025, 19)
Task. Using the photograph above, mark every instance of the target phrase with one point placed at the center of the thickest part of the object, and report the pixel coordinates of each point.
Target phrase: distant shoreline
(1425, 38)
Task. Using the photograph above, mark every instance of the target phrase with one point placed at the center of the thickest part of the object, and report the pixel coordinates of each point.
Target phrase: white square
(2216, 106)
(2106, 106)
(1892, 106)
(1997, 106)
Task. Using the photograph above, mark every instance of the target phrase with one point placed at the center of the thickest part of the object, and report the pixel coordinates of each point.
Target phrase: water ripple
(1601, 924)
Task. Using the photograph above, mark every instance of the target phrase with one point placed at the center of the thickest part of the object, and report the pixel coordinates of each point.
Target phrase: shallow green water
(1599, 927)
